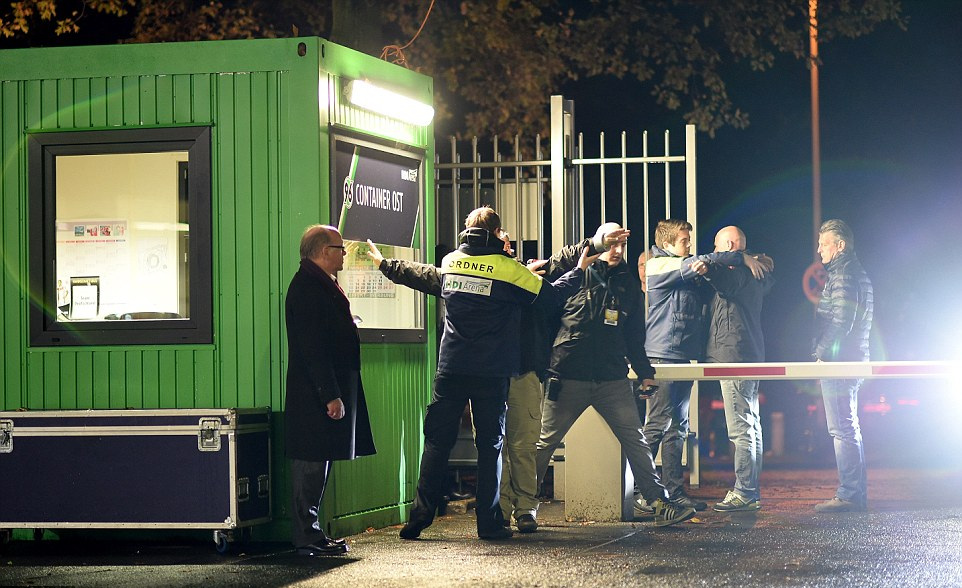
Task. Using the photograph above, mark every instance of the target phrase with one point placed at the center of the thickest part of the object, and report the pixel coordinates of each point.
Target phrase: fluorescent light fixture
(370, 97)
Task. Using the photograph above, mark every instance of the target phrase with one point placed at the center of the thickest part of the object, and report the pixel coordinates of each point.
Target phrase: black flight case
(137, 469)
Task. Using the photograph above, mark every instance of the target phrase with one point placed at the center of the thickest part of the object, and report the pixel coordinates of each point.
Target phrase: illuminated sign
(379, 192)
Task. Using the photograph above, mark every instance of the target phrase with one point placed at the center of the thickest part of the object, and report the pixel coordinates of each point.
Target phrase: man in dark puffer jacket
(842, 325)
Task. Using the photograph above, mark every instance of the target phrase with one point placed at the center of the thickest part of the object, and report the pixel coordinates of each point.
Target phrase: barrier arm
(808, 370)
(598, 486)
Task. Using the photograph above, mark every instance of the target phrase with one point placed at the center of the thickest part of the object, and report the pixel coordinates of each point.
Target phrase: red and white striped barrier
(808, 370)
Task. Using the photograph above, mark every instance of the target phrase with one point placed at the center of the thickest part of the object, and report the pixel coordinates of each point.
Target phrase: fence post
(564, 200)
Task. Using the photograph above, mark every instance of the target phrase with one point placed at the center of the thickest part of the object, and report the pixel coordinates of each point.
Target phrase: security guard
(484, 290)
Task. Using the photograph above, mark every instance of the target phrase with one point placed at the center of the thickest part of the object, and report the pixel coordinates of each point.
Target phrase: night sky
(891, 146)
(891, 152)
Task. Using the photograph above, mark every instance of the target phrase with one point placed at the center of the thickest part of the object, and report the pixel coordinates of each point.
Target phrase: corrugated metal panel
(270, 176)
(389, 373)
(247, 274)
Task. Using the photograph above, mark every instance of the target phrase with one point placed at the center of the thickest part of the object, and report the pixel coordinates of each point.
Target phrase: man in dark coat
(325, 413)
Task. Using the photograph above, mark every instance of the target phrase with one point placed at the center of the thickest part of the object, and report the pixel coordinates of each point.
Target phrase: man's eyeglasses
(341, 247)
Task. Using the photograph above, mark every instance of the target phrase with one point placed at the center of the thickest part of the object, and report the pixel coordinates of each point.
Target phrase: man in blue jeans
(735, 336)
(677, 317)
(842, 325)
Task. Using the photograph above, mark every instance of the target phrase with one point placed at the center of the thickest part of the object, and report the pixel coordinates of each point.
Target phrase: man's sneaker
(837, 504)
(641, 508)
(668, 513)
(685, 501)
(526, 524)
(735, 503)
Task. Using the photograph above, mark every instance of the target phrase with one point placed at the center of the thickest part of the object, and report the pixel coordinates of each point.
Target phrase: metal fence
(547, 202)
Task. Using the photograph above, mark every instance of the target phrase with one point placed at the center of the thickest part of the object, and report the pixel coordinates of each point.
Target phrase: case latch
(6, 436)
(208, 437)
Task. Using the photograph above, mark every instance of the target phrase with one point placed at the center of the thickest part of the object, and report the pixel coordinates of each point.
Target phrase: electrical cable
(394, 53)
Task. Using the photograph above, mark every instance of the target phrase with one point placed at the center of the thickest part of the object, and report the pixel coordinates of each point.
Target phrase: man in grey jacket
(842, 325)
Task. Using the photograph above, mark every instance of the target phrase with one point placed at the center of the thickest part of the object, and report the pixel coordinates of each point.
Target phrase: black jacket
(844, 316)
(735, 324)
(588, 347)
(323, 363)
(539, 323)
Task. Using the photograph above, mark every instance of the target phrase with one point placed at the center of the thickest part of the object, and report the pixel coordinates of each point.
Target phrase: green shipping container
(151, 204)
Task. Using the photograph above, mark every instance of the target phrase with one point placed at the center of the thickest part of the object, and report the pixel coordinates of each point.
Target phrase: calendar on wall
(365, 284)
(377, 302)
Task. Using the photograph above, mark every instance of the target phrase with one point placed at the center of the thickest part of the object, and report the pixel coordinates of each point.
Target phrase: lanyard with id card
(611, 312)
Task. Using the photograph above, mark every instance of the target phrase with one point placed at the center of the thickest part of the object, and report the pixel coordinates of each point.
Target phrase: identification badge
(611, 316)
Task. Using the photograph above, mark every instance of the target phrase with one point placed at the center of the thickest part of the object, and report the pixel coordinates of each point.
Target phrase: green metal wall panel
(270, 179)
(387, 480)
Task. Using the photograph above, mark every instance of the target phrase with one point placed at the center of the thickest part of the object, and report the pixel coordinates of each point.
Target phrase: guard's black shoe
(685, 501)
(497, 534)
(412, 529)
(329, 547)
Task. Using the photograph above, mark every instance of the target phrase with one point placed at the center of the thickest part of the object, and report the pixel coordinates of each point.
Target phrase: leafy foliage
(26, 15)
(495, 62)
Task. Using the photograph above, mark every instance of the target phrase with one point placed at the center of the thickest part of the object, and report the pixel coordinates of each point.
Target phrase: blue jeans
(441, 424)
(667, 427)
(745, 431)
(841, 414)
(615, 403)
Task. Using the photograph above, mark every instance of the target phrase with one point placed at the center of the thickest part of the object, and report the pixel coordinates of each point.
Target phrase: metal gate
(549, 202)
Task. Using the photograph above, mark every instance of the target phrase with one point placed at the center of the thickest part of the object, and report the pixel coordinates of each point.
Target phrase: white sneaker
(735, 503)
(643, 510)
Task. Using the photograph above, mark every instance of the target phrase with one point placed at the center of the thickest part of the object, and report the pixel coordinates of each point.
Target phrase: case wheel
(221, 542)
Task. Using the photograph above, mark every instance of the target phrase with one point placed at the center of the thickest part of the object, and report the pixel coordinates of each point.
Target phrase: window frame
(42, 150)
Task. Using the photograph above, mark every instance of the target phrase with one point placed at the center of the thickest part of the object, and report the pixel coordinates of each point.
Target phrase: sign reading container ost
(380, 194)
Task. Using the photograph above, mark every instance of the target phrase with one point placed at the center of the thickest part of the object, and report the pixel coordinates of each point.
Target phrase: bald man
(735, 336)
(325, 413)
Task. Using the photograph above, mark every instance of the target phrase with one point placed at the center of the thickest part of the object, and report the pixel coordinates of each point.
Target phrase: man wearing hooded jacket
(485, 291)
(519, 485)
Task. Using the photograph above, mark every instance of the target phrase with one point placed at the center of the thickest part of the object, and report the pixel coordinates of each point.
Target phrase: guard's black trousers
(488, 397)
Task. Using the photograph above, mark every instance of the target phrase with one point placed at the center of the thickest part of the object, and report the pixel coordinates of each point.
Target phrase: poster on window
(92, 248)
(379, 194)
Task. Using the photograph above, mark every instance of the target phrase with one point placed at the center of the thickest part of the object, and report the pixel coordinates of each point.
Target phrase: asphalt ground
(911, 536)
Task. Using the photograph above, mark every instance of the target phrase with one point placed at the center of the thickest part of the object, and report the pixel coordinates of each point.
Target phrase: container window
(121, 248)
